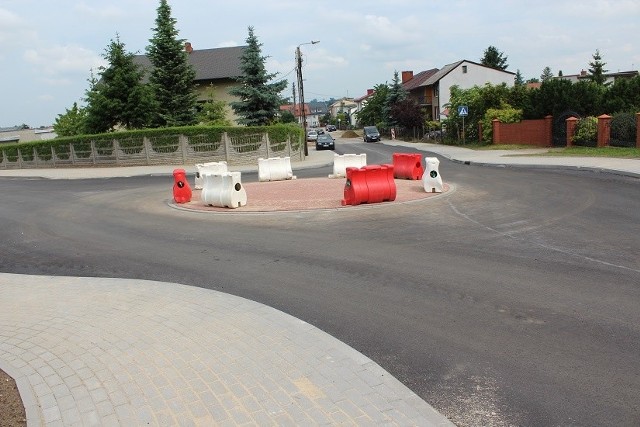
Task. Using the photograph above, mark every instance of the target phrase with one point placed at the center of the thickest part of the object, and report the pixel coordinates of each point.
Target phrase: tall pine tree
(259, 101)
(493, 58)
(597, 71)
(546, 74)
(172, 76)
(118, 98)
(397, 93)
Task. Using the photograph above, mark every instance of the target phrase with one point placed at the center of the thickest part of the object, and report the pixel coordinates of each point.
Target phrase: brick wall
(527, 132)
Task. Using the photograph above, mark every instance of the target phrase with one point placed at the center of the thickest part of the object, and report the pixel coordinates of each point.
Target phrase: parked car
(325, 141)
(331, 128)
(312, 135)
(371, 134)
(320, 131)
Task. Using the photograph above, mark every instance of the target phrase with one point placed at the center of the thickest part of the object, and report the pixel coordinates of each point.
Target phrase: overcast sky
(48, 47)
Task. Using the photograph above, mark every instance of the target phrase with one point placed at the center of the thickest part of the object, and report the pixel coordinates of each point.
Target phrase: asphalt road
(512, 300)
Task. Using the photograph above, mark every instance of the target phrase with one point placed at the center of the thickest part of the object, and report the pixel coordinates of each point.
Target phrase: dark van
(371, 134)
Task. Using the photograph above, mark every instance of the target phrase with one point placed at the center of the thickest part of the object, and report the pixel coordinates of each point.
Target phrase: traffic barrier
(407, 166)
(344, 161)
(275, 169)
(432, 181)
(369, 184)
(223, 190)
(210, 167)
(181, 189)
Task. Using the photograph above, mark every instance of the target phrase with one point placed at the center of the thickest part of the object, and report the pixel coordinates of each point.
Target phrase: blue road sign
(463, 110)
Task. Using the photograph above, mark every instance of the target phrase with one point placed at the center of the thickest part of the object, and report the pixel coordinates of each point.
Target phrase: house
(297, 113)
(347, 106)
(431, 88)
(317, 110)
(215, 69)
(362, 101)
(609, 77)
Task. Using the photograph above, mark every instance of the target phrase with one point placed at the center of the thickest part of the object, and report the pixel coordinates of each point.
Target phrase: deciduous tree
(372, 113)
(71, 123)
(213, 112)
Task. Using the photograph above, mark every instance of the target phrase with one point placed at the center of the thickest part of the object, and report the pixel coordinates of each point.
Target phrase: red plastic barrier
(369, 184)
(390, 181)
(407, 166)
(355, 188)
(181, 189)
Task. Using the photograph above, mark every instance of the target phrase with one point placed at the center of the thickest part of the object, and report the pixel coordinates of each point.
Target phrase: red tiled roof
(418, 79)
(297, 113)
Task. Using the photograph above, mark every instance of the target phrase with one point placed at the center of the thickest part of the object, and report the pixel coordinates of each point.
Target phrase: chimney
(369, 92)
(583, 73)
(187, 47)
(406, 76)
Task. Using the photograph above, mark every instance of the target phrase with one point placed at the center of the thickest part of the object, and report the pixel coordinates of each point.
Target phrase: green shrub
(504, 115)
(586, 132)
(623, 130)
(131, 145)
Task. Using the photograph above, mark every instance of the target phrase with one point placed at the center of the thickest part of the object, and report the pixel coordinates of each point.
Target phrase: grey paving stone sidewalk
(111, 352)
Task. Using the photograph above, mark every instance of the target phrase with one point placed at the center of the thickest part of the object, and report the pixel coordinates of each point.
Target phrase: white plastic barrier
(431, 178)
(223, 190)
(211, 167)
(344, 161)
(275, 169)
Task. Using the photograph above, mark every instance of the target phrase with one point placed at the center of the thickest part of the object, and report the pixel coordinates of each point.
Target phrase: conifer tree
(396, 94)
(493, 58)
(172, 76)
(118, 98)
(259, 100)
(597, 71)
(546, 74)
(518, 80)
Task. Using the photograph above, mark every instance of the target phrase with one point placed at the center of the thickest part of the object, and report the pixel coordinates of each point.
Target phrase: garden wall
(155, 150)
(527, 132)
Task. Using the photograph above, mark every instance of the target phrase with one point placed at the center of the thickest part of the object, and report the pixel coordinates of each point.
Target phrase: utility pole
(303, 113)
(294, 102)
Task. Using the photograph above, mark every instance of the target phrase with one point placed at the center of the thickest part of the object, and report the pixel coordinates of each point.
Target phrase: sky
(49, 47)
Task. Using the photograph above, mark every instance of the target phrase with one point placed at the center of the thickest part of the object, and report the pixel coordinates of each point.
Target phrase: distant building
(344, 105)
(18, 134)
(297, 113)
(609, 77)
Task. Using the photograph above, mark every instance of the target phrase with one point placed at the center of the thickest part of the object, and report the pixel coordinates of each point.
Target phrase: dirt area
(12, 413)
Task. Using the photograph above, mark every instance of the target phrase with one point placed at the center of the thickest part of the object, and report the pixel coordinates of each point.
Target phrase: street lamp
(301, 92)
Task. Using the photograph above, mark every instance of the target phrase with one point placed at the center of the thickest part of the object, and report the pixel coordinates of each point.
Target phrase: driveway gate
(560, 128)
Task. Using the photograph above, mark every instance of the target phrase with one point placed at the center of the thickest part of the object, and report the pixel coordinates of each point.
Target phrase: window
(464, 69)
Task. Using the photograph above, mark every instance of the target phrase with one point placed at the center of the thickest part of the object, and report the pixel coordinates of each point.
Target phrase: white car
(312, 135)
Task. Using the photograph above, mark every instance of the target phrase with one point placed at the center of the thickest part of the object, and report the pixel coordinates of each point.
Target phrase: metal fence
(158, 150)
(623, 130)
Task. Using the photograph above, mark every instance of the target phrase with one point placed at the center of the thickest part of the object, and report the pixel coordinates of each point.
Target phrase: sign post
(463, 111)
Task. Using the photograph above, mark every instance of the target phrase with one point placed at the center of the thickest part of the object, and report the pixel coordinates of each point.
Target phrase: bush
(586, 132)
(504, 115)
(623, 130)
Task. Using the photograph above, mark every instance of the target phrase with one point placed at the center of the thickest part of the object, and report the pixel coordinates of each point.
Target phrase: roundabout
(305, 195)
